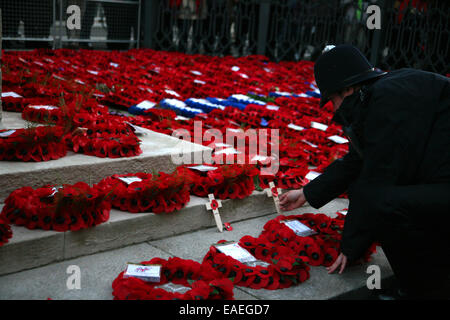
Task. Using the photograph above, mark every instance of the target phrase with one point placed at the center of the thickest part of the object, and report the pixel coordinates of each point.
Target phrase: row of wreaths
(286, 259)
(78, 206)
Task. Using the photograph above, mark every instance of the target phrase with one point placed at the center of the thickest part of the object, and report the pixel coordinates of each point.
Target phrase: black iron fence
(113, 24)
(414, 33)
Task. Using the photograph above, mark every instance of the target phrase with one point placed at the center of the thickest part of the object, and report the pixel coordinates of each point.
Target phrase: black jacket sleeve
(334, 181)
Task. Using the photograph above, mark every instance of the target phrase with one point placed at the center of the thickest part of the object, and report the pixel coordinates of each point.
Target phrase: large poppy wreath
(281, 267)
(204, 283)
(106, 140)
(232, 181)
(59, 208)
(33, 144)
(321, 248)
(43, 114)
(144, 192)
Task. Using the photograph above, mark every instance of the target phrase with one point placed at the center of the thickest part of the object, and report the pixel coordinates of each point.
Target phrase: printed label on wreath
(43, 107)
(312, 175)
(257, 263)
(295, 127)
(299, 228)
(173, 287)
(272, 107)
(172, 92)
(146, 105)
(149, 273)
(338, 139)
(199, 81)
(58, 77)
(11, 94)
(129, 180)
(6, 134)
(319, 126)
(203, 168)
(181, 118)
(235, 251)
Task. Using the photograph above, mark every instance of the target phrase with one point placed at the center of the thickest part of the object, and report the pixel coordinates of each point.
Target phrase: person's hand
(292, 199)
(341, 261)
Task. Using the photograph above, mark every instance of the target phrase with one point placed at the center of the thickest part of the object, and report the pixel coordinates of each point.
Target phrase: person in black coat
(397, 170)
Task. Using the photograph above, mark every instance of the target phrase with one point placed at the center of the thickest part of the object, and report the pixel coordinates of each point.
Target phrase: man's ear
(348, 91)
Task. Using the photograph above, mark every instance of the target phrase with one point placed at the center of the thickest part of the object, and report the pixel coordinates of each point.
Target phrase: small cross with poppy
(213, 205)
(274, 192)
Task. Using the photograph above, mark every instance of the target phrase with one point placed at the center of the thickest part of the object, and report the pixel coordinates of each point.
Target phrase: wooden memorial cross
(274, 192)
(214, 205)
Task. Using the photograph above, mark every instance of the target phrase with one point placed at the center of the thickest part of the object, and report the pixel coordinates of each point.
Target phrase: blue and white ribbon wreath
(180, 108)
(203, 104)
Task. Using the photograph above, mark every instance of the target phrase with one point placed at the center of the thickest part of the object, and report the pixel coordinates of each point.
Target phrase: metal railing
(413, 33)
(113, 24)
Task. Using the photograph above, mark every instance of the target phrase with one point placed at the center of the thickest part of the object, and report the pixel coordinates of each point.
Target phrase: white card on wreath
(235, 251)
(312, 175)
(272, 107)
(319, 126)
(6, 134)
(299, 228)
(11, 94)
(146, 105)
(257, 263)
(43, 107)
(129, 180)
(181, 118)
(171, 92)
(173, 287)
(295, 127)
(149, 273)
(203, 168)
(338, 139)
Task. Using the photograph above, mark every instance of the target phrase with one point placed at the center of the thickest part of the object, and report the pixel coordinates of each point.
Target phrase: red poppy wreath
(202, 281)
(105, 143)
(273, 267)
(59, 208)
(43, 114)
(13, 102)
(34, 144)
(321, 248)
(5, 232)
(225, 181)
(144, 192)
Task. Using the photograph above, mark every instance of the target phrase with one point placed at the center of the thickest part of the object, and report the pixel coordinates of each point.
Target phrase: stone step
(98, 270)
(32, 248)
(157, 151)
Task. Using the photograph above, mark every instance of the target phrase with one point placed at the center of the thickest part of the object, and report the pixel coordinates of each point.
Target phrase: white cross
(213, 205)
(273, 192)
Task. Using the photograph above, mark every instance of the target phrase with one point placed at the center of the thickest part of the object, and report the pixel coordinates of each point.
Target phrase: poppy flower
(5, 232)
